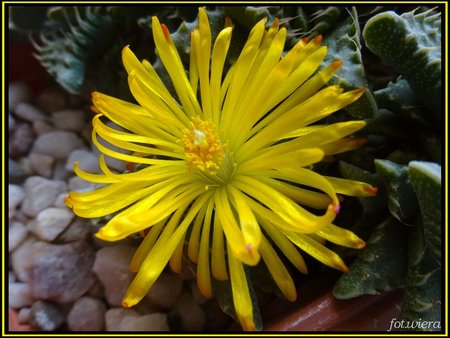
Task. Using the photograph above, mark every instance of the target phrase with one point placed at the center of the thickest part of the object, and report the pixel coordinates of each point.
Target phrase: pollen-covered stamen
(202, 147)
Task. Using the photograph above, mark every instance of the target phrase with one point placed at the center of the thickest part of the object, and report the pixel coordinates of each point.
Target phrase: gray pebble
(112, 269)
(191, 314)
(79, 185)
(78, 230)
(52, 99)
(21, 140)
(16, 174)
(11, 122)
(87, 314)
(72, 120)
(114, 316)
(147, 323)
(40, 193)
(41, 127)
(51, 222)
(57, 144)
(166, 290)
(29, 112)
(41, 164)
(46, 316)
(19, 295)
(21, 259)
(61, 273)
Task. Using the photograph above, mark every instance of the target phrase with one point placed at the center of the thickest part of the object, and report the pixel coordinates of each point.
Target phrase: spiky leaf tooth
(425, 178)
(65, 55)
(248, 16)
(411, 43)
(399, 98)
(402, 201)
(423, 298)
(381, 266)
(343, 44)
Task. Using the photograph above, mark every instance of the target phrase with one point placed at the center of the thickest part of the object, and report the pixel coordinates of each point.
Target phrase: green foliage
(402, 201)
(344, 44)
(411, 43)
(425, 179)
(380, 267)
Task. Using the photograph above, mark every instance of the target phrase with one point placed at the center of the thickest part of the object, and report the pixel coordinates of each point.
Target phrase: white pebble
(87, 161)
(58, 144)
(51, 222)
(21, 259)
(29, 113)
(87, 314)
(40, 193)
(23, 317)
(16, 195)
(20, 295)
(79, 185)
(16, 235)
(114, 316)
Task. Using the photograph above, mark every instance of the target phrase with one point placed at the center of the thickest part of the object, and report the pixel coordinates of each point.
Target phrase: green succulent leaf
(224, 295)
(422, 302)
(371, 205)
(402, 201)
(344, 44)
(66, 55)
(381, 266)
(411, 43)
(399, 98)
(425, 178)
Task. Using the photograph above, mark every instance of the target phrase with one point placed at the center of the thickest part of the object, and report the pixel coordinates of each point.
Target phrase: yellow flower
(228, 158)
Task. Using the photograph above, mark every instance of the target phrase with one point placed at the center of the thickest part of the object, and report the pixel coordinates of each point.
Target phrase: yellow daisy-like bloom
(231, 163)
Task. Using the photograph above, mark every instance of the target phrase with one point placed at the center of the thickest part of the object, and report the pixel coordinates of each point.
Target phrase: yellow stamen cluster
(202, 147)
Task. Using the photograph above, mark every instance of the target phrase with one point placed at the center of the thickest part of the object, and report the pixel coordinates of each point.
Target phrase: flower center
(202, 147)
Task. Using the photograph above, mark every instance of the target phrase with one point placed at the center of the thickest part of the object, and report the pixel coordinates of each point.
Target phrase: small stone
(51, 222)
(16, 195)
(18, 92)
(87, 161)
(52, 99)
(151, 322)
(191, 314)
(78, 230)
(59, 171)
(23, 317)
(87, 314)
(16, 174)
(16, 235)
(19, 295)
(166, 290)
(29, 113)
(58, 144)
(79, 185)
(96, 290)
(46, 316)
(72, 120)
(59, 201)
(114, 316)
(61, 272)
(41, 164)
(40, 193)
(20, 140)
(41, 127)
(112, 269)
(21, 259)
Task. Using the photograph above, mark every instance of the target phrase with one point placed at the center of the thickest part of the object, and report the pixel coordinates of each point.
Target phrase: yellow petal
(241, 294)
(341, 236)
(203, 271)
